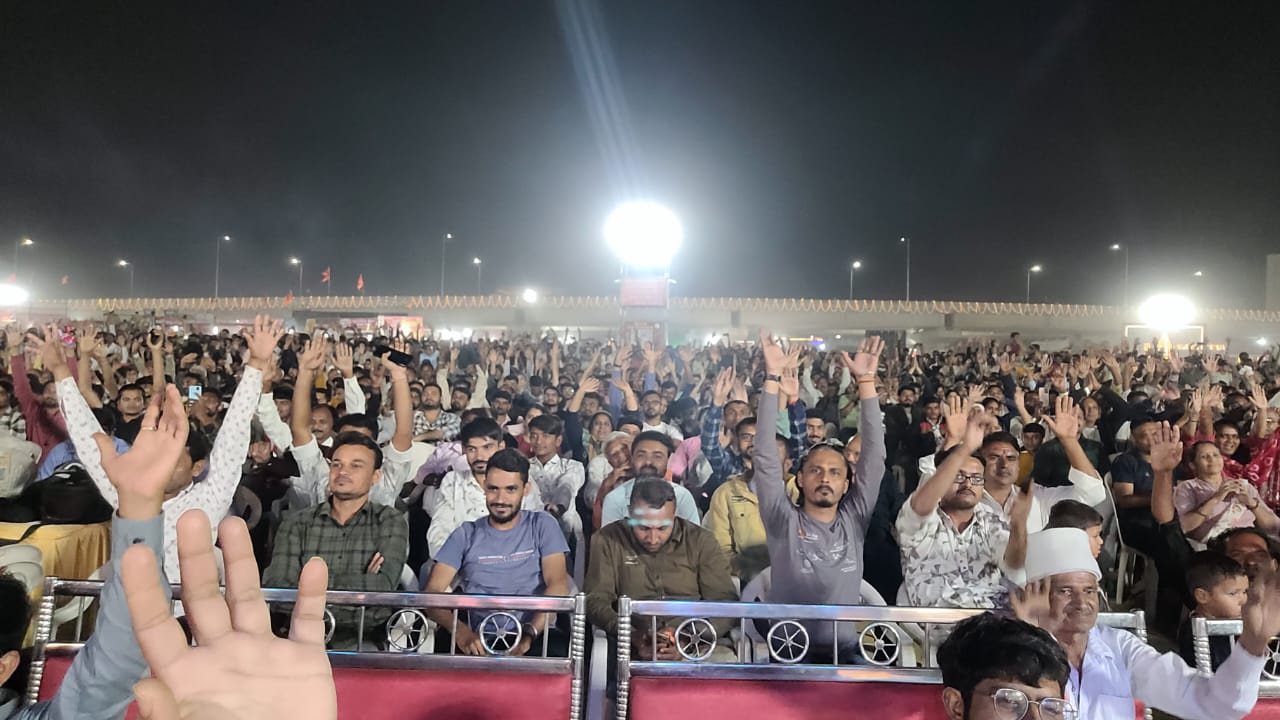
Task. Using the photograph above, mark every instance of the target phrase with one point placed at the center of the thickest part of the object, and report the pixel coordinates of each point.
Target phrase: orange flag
(288, 298)
(360, 282)
(324, 276)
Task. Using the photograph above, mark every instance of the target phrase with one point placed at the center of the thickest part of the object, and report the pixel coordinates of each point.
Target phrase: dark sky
(790, 137)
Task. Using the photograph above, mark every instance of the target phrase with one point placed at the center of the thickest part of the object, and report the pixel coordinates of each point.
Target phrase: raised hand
(1031, 603)
(1021, 509)
(141, 475)
(974, 428)
(651, 356)
(90, 343)
(775, 358)
(51, 349)
(262, 339)
(1261, 613)
(344, 359)
(155, 340)
(724, 385)
(790, 383)
(1064, 424)
(311, 359)
(1166, 449)
(238, 670)
(956, 418)
(867, 360)
(623, 358)
(686, 354)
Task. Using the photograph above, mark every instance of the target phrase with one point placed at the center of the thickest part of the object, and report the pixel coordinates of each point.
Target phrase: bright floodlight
(475, 261)
(1167, 311)
(529, 295)
(1262, 342)
(1035, 268)
(27, 242)
(1115, 246)
(294, 261)
(122, 263)
(12, 295)
(644, 234)
(857, 264)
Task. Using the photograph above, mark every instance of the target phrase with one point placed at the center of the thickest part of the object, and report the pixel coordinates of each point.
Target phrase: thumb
(155, 701)
(106, 449)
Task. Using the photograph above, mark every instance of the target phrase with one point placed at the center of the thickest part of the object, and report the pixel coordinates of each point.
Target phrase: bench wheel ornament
(696, 639)
(880, 643)
(788, 642)
(330, 624)
(1271, 669)
(406, 630)
(500, 633)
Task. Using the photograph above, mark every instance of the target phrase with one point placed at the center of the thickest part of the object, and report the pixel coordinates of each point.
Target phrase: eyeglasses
(1014, 705)
(971, 478)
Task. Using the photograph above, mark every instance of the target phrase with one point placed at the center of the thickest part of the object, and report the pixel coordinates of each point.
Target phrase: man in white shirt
(651, 409)
(460, 498)
(558, 479)
(1110, 668)
(650, 452)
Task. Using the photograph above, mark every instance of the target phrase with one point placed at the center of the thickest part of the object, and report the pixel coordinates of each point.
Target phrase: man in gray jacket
(815, 550)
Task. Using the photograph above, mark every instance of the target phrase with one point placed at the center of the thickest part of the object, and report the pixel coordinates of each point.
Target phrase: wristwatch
(775, 378)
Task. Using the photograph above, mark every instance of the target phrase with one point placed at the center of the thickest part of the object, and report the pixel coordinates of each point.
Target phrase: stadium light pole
(1030, 270)
(476, 261)
(1125, 248)
(644, 235)
(217, 263)
(297, 261)
(857, 264)
(129, 266)
(24, 242)
(907, 241)
(443, 242)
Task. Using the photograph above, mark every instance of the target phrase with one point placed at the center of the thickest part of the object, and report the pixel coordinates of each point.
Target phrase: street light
(1030, 270)
(857, 264)
(1125, 248)
(643, 234)
(907, 241)
(298, 262)
(447, 237)
(529, 295)
(217, 263)
(476, 262)
(129, 265)
(24, 242)
(1198, 273)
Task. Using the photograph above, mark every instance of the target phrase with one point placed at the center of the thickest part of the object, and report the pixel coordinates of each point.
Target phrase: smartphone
(194, 392)
(69, 335)
(395, 356)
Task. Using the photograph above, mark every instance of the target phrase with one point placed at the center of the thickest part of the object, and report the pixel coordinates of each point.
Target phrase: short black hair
(814, 414)
(654, 436)
(471, 414)
(1033, 428)
(744, 423)
(1073, 514)
(1000, 437)
(548, 424)
(197, 445)
(652, 491)
(990, 647)
(1219, 543)
(15, 613)
(647, 393)
(127, 388)
(1208, 568)
(355, 438)
(480, 428)
(357, 420)
(502, 395)
(510, 460)
(1217, 426)
(946, 453)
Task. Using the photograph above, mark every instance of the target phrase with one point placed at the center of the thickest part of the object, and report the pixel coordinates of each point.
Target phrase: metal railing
(1203, 629)
(407, 630)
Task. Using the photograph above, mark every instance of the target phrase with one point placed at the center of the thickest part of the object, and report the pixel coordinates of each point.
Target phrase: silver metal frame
(1202, 629)
(630, 610)
(574, 665)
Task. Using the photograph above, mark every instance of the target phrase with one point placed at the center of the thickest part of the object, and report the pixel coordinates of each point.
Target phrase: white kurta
(1120, 668)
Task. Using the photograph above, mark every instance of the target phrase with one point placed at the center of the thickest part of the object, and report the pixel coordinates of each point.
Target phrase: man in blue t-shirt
(508, 552)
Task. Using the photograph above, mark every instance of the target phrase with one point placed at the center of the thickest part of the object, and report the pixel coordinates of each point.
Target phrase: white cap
(1057, 551)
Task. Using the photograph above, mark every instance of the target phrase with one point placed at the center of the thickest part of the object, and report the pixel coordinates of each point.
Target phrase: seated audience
(734, 515)
(1220, 587)
(1209, 504)
(559, 479)
(1075, 514)
(509, 552)
(655, 555)
(650, 451)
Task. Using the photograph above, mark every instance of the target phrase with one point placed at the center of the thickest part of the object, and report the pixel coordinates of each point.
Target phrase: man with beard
(362, 543)
(651, 407)
(461, 497)
(815, 549)
(955, 549)
(510, 552)
(1110, 668)
(650, 452)
(432, 424)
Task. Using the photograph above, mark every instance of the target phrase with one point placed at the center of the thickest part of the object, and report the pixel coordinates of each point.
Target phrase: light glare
(1167, 311)
(643, 234)
(529, 295)
(13, 295)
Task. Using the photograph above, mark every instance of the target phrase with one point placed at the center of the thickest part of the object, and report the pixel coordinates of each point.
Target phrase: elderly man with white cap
(1111, 668)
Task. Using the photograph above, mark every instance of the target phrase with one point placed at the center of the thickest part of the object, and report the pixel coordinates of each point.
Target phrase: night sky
(790, 138)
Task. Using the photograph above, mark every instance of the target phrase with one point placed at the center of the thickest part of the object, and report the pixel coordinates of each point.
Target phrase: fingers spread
(201, 596)
(244, 594)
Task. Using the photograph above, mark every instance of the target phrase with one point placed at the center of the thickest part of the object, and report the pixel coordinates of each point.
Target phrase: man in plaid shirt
(363, 543)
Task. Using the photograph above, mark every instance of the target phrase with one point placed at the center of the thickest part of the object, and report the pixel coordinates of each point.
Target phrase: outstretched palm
(262, 339)
(867, 359)
(239, 670)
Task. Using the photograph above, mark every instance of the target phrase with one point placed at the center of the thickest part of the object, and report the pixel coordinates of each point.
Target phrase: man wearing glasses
(955, 549)
(996, 668)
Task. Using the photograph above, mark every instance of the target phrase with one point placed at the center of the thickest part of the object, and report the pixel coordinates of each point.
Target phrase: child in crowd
(1221, 587)
(1075, 514)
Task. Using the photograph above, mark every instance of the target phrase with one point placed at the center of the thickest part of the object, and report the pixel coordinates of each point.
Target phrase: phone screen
(194, 392)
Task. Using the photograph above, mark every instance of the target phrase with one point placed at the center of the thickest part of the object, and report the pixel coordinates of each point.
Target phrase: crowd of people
(982, 475)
